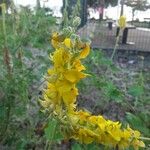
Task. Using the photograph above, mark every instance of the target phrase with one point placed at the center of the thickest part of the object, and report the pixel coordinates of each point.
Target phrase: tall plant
(141, 5)
(60, 98)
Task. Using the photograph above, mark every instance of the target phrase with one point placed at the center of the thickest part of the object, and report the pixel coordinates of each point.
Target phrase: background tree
(141, 5)
(5, 1)
(101, 4)
(72, 8)
(71, 4)
(111, 2)
(93, 3)
(38, 5)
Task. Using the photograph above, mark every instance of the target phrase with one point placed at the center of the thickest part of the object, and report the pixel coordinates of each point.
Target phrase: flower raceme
(61, 92)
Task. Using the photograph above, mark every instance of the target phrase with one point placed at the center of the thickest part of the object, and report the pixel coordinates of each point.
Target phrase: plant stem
(6, 51)
(145, 138)
(6, 57)
(46, 145)
(49, 143)
(3, 6)
(116, 45)
(114, 51)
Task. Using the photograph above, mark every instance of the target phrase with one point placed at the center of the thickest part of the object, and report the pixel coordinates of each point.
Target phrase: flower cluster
(122, 22)
(60, 96)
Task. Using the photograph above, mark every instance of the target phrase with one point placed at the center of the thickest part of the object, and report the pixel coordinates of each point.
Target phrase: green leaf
(105, 61)
(137, 123)
(136, 90)
(21, 144)
(76, 146)
(113, 92)
(94, 146)
(52, 132)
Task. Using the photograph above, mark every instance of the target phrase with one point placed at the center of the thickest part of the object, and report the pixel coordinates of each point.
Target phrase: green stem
(9, 96)
(49, 143)
(46, 146)
(6, 51)
(116, 45)
(3, 6)
(114, 51)
(144, 138)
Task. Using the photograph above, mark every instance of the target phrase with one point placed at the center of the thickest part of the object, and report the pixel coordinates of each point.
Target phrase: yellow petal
(51, 87)
(86, 136)
(45, 103)
(122, 22)
(50, 71)
(70, 96)
(85, 51)
(67, 42)
(74, 75)
(137, 143)
(141, 144)
(54, 43)
(136, 134)
(51, 94)
(77, 64)
(64, 86)
(57, 58)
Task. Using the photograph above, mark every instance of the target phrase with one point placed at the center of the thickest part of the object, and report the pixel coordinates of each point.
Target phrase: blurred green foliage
(24, 59)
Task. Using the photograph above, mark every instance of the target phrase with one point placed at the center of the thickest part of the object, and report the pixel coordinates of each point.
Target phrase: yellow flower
(69, 97)
(115, 134)
(83, 115)
(73, 75)
(137, 143)
(93, 120)
(135, 133)
(51, 94)
(61, 93)
(50, 71)
(67, 91)
(84, 53)
(122, 22)
(67, 42)
(57, 39)
(54, 41)
(60, 58)
(45, 103)
(77, 65)
(123, 144)
(84, 135)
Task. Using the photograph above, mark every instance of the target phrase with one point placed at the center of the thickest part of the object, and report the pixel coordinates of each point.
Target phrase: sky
(49, 3)
(53, 4)
(112, 13)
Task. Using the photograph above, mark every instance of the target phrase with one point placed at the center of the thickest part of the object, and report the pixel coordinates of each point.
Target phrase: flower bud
(67, 31)
(122, 22)
(76, 21)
